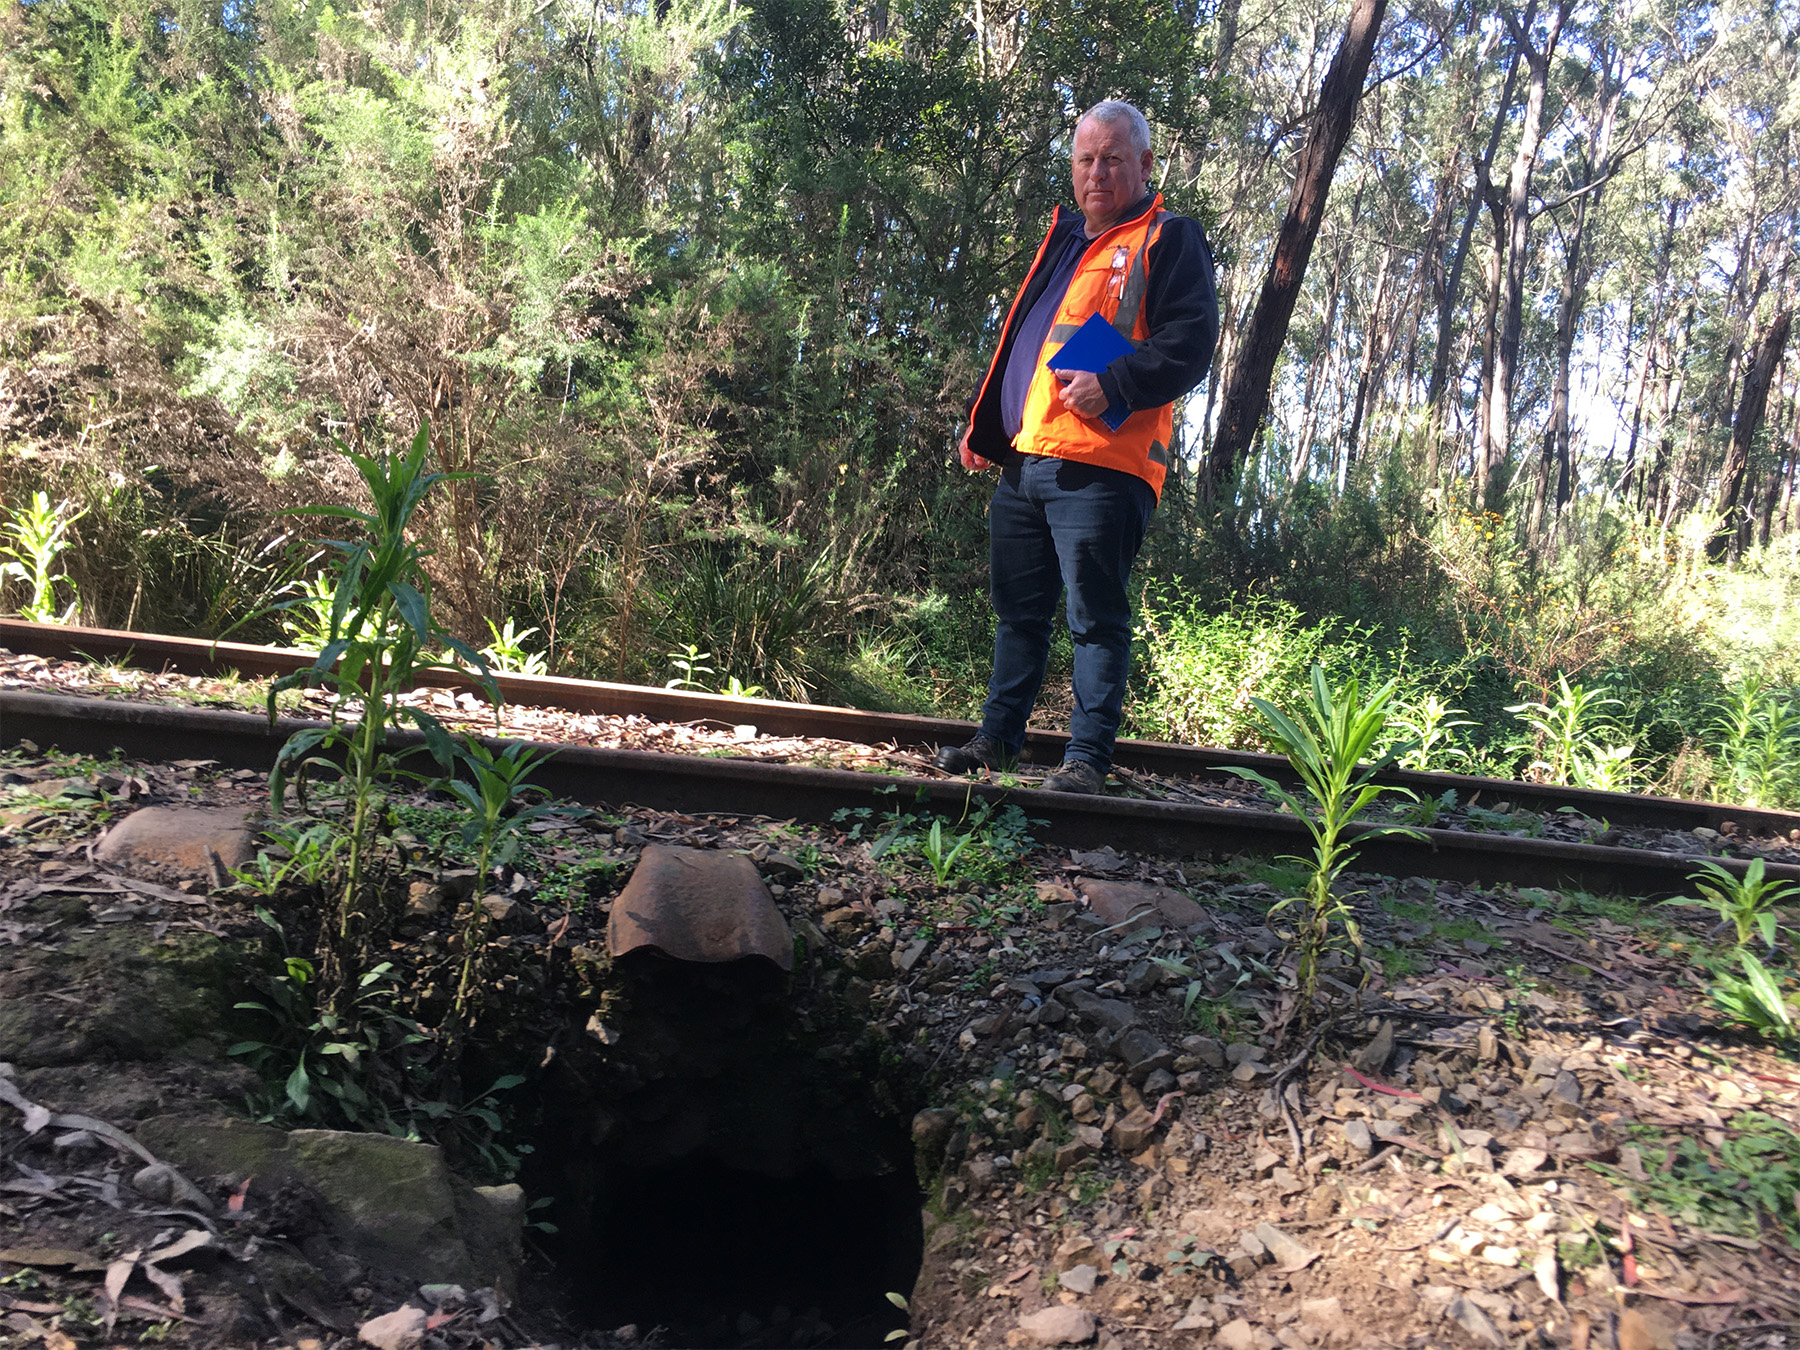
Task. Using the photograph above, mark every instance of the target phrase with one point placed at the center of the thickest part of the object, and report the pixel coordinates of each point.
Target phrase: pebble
(1079, 1278)
(1467, 1315)
(402, 1329)
(1059, 1326)
(1357, 1136)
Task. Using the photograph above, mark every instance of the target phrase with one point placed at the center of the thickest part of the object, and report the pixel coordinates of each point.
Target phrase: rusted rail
(692, 783)
(195, 656)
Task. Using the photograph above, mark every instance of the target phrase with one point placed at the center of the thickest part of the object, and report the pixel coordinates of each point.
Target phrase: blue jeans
(1057, 523)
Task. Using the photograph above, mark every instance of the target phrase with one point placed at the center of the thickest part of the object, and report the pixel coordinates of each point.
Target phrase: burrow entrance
(730, 1160)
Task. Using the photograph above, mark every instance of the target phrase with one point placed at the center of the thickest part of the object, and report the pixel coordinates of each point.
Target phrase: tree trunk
(1743, 431)
(1247, 397)
(1440, 357)
(1518, 248)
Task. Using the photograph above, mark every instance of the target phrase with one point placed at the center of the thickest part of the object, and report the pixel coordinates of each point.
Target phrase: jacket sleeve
(1181, 309)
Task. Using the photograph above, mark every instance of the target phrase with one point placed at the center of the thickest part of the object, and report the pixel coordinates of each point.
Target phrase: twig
(1735, 1328)
(1391, 1151)
(1285, 1073)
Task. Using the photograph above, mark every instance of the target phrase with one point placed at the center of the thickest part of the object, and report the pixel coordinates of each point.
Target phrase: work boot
(981, 752)
(1076, 775)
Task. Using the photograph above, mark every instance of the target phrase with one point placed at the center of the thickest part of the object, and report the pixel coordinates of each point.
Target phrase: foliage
(1744, 1183)
(39, 532)
(311, 851)
(1746, 904)
(1427, 730)
(492, 832)
(1203, 671)
(380, 627)
(1568, 744)
(508, 654)
(1756, 735)
(1756, 1001)
(1326, 746)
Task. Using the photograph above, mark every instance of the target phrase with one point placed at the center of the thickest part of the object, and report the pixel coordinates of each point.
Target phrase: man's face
(1110, 176)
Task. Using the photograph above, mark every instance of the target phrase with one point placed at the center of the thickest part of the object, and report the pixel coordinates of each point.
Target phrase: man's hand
(1081, 393)
(971, 461)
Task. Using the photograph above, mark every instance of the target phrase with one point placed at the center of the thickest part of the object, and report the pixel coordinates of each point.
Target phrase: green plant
(689, 662)
(1425, 811)
(324, 1058)
(899, 1301)
(507, 653)
(1325, 747)
(1189, 1257)
(1754, 1001)
(1748, 1180)
(1745, 903)
(1565, 745)
(311, 852)
(38, 533)
(940, 853)
(1426, 727)
(492, 832)
(379, 628)
(308, 614)
(1755, 732)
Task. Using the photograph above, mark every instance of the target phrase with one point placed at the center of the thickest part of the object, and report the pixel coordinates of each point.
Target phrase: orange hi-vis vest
(1111, 279)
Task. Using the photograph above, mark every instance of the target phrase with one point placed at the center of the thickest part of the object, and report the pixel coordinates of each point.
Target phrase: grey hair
(1113, 111)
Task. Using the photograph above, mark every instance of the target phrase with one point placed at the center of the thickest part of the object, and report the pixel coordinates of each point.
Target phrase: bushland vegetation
(692, 293)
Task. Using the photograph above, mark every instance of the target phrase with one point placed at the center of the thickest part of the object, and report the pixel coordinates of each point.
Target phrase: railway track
(693, 783)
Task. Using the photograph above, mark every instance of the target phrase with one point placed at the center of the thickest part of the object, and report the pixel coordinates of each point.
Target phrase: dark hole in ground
(724, 1257)
(732, 1161)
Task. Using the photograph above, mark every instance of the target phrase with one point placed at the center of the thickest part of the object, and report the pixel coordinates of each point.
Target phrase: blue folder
(1095, 346)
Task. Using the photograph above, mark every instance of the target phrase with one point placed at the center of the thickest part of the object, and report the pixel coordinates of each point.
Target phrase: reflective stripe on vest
(1111, 279)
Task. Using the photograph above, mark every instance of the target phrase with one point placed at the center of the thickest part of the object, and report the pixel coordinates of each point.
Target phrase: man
(1074, 497)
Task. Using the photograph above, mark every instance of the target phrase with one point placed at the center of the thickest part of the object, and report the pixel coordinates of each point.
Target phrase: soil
(1517, 1120)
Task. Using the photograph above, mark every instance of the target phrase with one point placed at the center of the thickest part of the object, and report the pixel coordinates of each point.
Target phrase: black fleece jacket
(1181, 309)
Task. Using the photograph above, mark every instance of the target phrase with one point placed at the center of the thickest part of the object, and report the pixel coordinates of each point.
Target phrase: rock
(1289, 1253)
(165, 1185)
(1246, 1072)
(1079, 1278)
(1357, 1136)
(179, 839)
(498, 908)
(1205, 1049)
(424, 899)
(783, 866)
(1522, 1162)
(1500, 1256)
(1467, 1315)
(389, 1203)
(402, 1329)
(1373, 1057)
(1143, 1054)
(1158, 1082)
(1322, 1314)
(699, 905)
(1240, 1051)
(905, 958)
(845, 923)
(1238, 1334)
(1565, 1094)
(1076, 1251)
(1134, 1131)
(1113, 1015)
(1059, 1326)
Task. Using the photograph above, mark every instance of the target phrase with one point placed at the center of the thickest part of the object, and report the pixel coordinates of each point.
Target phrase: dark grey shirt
(1022, 363)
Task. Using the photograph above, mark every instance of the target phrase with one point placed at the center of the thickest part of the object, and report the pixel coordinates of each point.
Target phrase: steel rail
(199, 656)
(689, 783)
